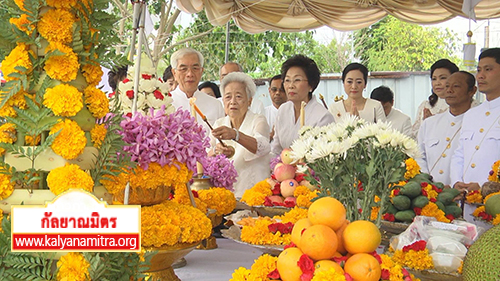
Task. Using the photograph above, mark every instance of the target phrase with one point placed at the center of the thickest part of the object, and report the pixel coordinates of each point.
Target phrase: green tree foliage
(394, 45)
(334, 56)
(261, 55)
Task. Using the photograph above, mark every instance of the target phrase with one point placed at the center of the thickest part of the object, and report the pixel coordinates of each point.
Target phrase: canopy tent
(256, 16)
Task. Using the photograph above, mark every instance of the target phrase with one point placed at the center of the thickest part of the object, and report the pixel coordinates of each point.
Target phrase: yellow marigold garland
(496, 220)
(495, 169)
(431, 193)
(259, 233)
(169, 223)
(395, 269)
(73, 266)
(478, 210)
(293, 215)
(97, 134)
(64, 100)
(489, 196)
(218, 198)
(256, 195)
(64, 67)
(304, 196)
(97, 102)
(241, 274)
(7, 135)
(71, 140)
(57, 26)
(181, 196)
(6, 186)
(419, 260)
(22, 23)
(67, 177)
(432, 210)
(64, 4)
(92, 73)
(17, 100)
(19, 56)
(474, 197)
(412, 168)
(328, 275)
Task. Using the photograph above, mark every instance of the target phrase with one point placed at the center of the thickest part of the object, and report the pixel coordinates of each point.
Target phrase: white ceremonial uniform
(399, 121)
(208, 105)
(286, 129)
(439, 107)
(271, 112)
(257, 106)
(251, 167)
(437, 139)
(372, 112)
(478, 148)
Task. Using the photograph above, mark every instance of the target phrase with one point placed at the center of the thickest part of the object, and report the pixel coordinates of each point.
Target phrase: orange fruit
(340, 247)
(287, 264)
(327, 211)
(363, 267)
(325, 265)
(319, 242)
(361, 237)
(298, 227)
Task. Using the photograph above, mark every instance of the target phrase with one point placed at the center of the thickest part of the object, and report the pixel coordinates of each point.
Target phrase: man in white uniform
(278, 97)
(256, 106)
(399, 120)
(479, 145)
(439, 134)
(187, 68)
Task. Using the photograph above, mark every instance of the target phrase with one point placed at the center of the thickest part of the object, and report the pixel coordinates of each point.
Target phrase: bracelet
(237, 138)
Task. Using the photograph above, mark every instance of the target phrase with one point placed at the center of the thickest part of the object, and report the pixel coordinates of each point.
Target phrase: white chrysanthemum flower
(324, 149)
(384, 138)
(411, 148)
(300, 147)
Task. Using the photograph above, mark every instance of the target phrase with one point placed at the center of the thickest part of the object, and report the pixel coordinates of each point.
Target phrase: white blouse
(372, 112)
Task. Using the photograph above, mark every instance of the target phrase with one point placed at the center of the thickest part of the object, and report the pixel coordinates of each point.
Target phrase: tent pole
(137, 63)
(226, 59)
(135, 28)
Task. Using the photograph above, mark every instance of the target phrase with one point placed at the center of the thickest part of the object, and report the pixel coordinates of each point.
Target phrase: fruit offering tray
(389, 229)
(234, 233)
(266, 211)
(435, 275)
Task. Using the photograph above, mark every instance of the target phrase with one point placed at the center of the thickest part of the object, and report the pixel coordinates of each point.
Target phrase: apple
(288, 187)
(275, 199)
(308, 185)
(286, 157)
(284, 172)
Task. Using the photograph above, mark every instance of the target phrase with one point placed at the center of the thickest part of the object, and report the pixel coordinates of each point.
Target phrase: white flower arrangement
(352, 153)
(152, 92)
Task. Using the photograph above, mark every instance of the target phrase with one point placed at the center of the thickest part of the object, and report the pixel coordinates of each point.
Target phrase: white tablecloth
(217, 264)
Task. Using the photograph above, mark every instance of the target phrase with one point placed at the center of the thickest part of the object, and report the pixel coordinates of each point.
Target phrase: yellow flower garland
(412, 168)
(64, 4)
(328, 275)
(181, 196)
(219, 199)
(431, 193)
(6, 186)
(73, 267)
(432, 210)
(64, 100)
(418, 260)
(57, 26)
(7, 135)
(92, 73)
(262, 266)
(496, 169)
(304, 196)
(293, 215)
(71, 140)
(22, 23)
(17, 100)
(97, 135)
(169, 223)
(18, 57)
(69, 176)
(255, 196)
(259, 233)
(97, 102)
(64, 67)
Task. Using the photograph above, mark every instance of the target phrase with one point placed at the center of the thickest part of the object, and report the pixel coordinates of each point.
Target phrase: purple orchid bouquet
(164, 138)
(221, 170)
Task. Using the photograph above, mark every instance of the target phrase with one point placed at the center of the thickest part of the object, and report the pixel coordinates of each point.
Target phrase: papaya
(440, 205)
(411, 189)
(401, 202)
(419, 201)
(453, 210)
(405, 216)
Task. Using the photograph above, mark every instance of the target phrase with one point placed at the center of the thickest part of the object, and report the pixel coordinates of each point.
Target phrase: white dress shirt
(372, 112)
(399, 121)
(257, 106)
(439, 107)
(208, 105)
(251, 167)
(271, 112)
(479, 145)
(286, 129)
(437, 139)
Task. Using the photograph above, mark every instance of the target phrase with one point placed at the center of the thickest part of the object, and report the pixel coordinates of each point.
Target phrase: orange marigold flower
(67, 177)
(64, 67)
(30, 140)
(6, 186)
(97, 102)
(57, 26)
(22, 23)
(18, 57)
(73, 266)
(64, 4)
(92, 73)
(71, 140)
(64, 100)
(412, 168)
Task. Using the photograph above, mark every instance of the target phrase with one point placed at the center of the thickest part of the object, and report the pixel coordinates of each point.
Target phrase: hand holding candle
(193, 108)
(197, 109)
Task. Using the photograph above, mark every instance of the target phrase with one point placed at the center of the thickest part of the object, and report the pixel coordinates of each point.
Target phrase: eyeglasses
(294, 81)
(185, 68)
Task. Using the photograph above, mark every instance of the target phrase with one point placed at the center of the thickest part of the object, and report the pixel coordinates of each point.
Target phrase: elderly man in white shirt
(439, 134)
(399, 120)
(278, 97)
(479, 145)
(187, 68)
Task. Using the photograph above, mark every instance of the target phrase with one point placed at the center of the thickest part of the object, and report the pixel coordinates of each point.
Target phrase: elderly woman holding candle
(300, 76)
(242, 132)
